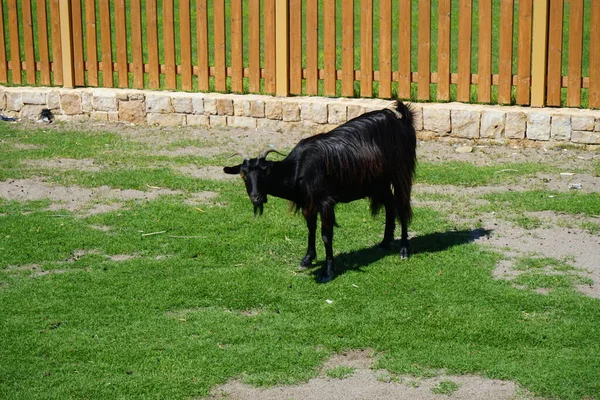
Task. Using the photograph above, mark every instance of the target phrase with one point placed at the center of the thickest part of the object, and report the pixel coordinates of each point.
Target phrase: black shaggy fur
(373, 155)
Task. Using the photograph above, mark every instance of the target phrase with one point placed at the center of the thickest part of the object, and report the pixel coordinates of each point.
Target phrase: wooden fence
(311, 47)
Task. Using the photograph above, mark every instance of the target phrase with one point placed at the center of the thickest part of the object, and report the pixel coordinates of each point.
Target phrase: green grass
(446, 387)
(570, 202)
(340, 372)
(218, 295)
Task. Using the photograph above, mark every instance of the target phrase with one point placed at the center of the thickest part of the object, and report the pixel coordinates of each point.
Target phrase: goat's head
(256, 173)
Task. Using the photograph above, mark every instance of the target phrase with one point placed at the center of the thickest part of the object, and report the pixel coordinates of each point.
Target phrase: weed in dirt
(445, 387)
(340, 372)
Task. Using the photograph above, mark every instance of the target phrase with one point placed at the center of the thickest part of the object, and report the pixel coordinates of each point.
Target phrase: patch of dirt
(64, 164)
(88, 201)
(190, 151)
(206, 172)
(26, 146)
(368, 383)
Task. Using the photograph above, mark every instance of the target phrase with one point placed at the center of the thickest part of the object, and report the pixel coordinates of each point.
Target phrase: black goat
(365, 157)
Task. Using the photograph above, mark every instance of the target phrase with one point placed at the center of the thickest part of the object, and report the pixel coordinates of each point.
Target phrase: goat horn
(267, 151)
(241, 154)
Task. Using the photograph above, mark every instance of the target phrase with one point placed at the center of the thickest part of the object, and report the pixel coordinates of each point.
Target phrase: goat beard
(258, 209)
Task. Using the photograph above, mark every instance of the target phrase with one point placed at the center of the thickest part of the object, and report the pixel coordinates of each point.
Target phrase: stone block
(104, 101)
(35, 97)
(436, 120)
(224, 106)
(538, 126)
(166, 119)
(87, 101)
(182, 104)
(210, 106)
(314, 112)
(218, 121)
(2, 99)
(585, 137)
(417, 117)
(492, 124)
(465, 123)
(290, 111)
(159, 104)
(14, 101)
(257, 108)
(271, 125)
(241, 107)
(31, 112)
(197, 105)
(113, 116)
(241, 122)
(582, 123)
(133, 111)
(71, 103)
(53, 100)
(354, 110)
(273, 109)
(560, 127)
(337, 113)
(202, 120)
(515, 125)
(99, 116)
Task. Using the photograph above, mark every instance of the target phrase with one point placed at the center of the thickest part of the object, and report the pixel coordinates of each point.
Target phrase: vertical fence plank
(485, 51)
(136, 43)
(28, 42)
(106, 38)
(66, 35)
(185, 33)
(329, 47)
(555, 39)
(404, 49)
(282, 53)
(202, 37)
(385, 48)
(594, 96)
(444, 36)
(366, 48)
(78, 60)
(424, 49)
(269, 40)
(219, 44)
(169, 44)
(152, 32)
(3, 62)
(464, 51)
(15, 51)
(575, 53)
(43, 47)
(312, 47)
(505, 52)
(348, 49)
(295, 46)
(121, 33)
(539, 53)
(237, 52)
(254, 46)
(57, 64)
(91, 40)
(524, 52)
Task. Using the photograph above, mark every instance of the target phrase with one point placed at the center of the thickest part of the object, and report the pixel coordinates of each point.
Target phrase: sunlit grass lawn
(219, 296)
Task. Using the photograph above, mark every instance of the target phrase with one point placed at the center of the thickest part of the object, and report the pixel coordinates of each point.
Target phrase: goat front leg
(327, 224)
(311, 252)
(404, 244)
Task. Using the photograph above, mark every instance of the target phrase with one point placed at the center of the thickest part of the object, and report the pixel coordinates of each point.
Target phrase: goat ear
(232, 170)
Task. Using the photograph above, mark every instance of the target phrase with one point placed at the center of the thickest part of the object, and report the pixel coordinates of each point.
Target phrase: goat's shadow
(429, 243)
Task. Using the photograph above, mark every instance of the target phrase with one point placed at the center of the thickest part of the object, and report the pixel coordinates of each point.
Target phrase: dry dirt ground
(558, 235)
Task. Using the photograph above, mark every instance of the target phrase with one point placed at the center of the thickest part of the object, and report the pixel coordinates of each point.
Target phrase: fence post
(539, 55)
(282, 48)
(66, 37)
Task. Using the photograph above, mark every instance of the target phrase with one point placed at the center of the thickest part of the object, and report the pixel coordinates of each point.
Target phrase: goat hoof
(324, 278)
(305, 264)
(384, 246)
(404, 253)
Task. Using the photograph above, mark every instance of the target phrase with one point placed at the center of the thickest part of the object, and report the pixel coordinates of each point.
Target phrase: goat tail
(405, 112)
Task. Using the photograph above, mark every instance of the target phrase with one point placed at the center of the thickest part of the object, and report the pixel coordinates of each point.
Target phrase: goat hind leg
(404, 216)
(311, 252)
(390, 223)
(327, 224)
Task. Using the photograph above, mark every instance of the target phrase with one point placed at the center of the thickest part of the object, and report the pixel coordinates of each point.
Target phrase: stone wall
(312, 114)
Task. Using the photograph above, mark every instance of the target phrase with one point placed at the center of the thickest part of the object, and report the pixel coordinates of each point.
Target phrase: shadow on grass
(430, 243)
